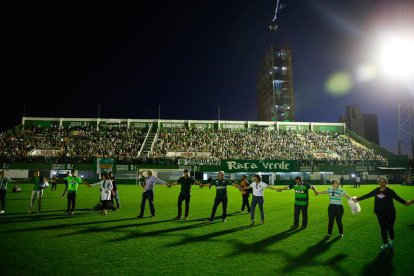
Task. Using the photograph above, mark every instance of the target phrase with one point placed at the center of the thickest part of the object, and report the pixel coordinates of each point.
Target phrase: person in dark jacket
(114, 192)
(385, 210)
(186, 182)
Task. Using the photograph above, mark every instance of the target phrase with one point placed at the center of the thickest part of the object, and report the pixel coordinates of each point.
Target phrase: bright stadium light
(396, 55)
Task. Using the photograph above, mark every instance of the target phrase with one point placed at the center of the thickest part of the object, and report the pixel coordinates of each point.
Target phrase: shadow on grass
(134, 235)
(115, 227)
(259, 246)
(42, 216)
(410, 226)
(308, 257)
(11, 199)
(382, 265)
(191, 238)
(218, 218)
(67, 225)
(238, 214)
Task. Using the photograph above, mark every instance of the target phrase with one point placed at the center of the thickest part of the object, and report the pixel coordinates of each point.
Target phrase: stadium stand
(77, 144)
(73, 144)
(264, 144)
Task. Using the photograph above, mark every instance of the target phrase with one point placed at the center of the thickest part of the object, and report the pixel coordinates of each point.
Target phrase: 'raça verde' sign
(258, 165)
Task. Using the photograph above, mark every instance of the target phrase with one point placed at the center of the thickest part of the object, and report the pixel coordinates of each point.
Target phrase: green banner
(294, 126)
(258, 166)
(104, 165)
(41, 123)
(329, 128)
(200, 125)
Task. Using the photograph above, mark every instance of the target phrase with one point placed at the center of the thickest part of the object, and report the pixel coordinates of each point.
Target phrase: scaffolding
(405, 129)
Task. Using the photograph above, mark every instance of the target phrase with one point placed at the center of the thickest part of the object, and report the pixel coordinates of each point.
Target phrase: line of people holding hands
(383, 204)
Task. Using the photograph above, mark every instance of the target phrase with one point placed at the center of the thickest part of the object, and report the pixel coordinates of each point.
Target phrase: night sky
(190, 57)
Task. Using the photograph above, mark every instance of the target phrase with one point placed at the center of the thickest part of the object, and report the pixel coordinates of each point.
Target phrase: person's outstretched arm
(370, 194)
(399, 199)
(283, 189)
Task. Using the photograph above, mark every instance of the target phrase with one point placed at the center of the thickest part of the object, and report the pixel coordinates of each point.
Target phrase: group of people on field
(383, 204)
(108, 190)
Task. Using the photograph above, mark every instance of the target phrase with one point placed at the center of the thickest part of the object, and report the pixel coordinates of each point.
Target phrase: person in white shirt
(4, 180)
(258, 190)
(105, 188)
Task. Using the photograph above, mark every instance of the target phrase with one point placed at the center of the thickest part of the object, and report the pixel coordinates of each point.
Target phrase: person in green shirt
(73, 182)
(185, 182)
(301, 201)
(221, 195)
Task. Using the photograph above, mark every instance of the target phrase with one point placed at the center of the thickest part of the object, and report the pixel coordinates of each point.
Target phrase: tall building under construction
(275, 86)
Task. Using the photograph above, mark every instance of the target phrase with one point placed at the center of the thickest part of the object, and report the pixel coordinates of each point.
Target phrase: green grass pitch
(88, 243)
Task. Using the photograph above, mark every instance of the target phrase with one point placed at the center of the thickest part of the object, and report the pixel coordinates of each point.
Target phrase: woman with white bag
(335, 209)
(105, 188)
(385, 210)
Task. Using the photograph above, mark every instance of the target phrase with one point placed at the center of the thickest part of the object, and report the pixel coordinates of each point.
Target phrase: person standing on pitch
(357, 181)
(148, 193)
(301, 201)
(245, 194)
(73, 183)
(185, 182)
(114, 191)
(53, 181)
(4, 180)
(37, 192)
(105, 187)
(258, 190)
(335, 209)
(66, 185)
(385, 210)
(221, 195)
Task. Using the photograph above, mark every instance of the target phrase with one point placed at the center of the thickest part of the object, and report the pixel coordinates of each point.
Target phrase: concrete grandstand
(278, 150)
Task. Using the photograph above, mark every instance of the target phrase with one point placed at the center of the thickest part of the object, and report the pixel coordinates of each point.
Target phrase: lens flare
(338, 84)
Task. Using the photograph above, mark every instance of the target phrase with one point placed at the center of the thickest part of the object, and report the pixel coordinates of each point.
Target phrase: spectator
(114, 194)
(73, 183)
(258, 191)
(385, 210)
(37, 192)
(148, 193)
(185, 182)
(335, 209)
(105, 188)
(301, 201)
(221, 195)
(4, 180)
(244, 184)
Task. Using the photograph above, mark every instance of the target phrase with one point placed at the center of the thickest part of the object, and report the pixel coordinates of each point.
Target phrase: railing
(145, 140)
(368, 144)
